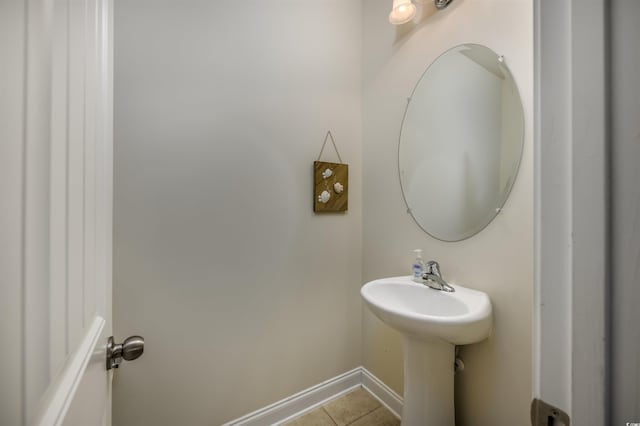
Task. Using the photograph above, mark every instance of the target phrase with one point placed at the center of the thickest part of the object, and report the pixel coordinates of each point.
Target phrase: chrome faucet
(433, 279)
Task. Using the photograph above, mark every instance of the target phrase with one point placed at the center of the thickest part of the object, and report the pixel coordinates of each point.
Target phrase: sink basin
(460, 318)
(432, 322)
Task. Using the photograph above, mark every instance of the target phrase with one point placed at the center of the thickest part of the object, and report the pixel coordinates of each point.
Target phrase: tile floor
(357, 408)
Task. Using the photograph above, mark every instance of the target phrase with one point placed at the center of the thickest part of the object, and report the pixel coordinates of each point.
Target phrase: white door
(55, 211)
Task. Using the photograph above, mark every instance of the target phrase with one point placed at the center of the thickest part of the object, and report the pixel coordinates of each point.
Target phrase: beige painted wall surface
(495, 387)
(244, 295)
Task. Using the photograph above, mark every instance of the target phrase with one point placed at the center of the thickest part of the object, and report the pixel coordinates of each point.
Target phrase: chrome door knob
(132, 348)
(128, 350)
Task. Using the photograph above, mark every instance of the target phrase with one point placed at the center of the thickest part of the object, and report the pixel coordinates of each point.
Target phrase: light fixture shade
(402, 11)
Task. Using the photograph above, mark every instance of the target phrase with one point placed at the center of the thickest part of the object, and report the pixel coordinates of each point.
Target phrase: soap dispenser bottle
(418, 266)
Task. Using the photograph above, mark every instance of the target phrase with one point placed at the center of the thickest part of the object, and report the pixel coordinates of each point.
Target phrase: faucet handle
(433, 268)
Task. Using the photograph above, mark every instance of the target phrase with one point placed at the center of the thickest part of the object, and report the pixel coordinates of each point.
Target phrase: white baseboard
(309, 399)
(382, 392)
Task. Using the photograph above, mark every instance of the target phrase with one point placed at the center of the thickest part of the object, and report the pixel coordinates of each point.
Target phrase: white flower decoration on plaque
(338, 187)
(324, 197)
(327, 173)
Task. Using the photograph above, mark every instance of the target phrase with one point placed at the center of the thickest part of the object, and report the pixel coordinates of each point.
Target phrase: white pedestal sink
(432, 323)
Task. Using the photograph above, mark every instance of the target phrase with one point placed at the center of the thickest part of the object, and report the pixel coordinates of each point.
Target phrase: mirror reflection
(461, 142)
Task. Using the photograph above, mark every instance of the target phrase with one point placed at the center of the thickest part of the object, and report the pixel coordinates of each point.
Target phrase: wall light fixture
(403, 11)
(441, 4)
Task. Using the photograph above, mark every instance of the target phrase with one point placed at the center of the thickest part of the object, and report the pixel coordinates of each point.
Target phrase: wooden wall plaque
(336, 185)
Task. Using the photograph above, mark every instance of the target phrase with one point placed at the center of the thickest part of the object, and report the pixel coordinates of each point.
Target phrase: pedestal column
(428, 383)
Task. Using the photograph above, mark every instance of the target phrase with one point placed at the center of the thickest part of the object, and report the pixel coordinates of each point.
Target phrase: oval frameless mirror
(461, 142)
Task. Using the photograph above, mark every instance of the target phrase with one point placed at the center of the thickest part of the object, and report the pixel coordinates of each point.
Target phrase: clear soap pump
(418, 266)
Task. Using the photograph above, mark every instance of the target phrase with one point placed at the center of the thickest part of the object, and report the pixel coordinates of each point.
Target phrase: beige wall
(244, 295)
(495, 387)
